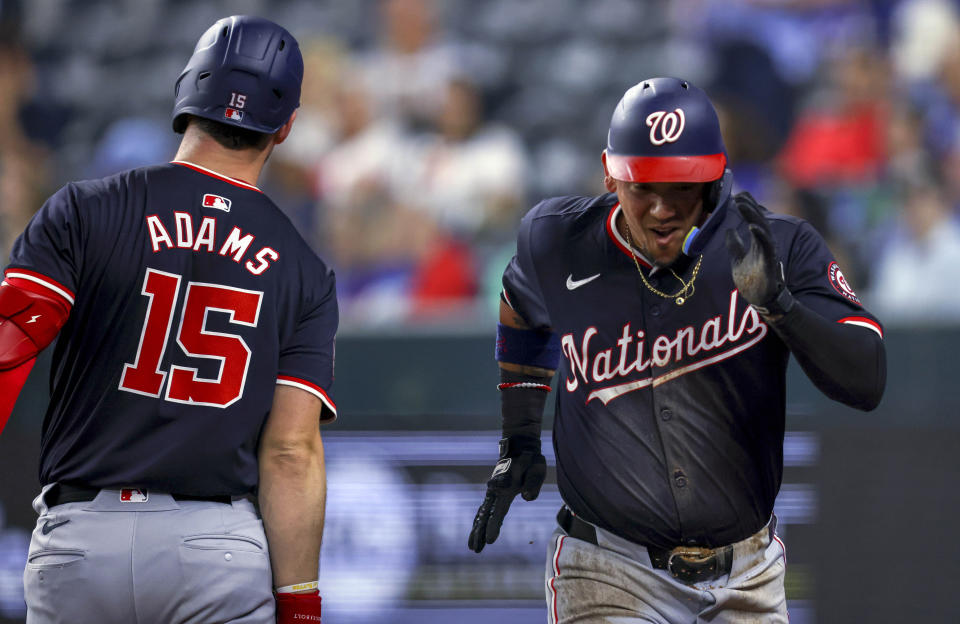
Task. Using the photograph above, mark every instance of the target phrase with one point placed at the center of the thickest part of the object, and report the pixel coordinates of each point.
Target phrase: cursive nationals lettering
(234, 245)
(634, 354)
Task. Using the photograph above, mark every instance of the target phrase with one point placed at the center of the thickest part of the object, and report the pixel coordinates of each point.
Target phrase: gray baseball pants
(160, 560)
(613, 582)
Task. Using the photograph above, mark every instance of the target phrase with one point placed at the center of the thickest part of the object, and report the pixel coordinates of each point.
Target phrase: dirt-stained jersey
(669, 418)
(193, 296)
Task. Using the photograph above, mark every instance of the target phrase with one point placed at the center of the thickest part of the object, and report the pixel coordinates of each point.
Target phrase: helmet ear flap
(711, 194)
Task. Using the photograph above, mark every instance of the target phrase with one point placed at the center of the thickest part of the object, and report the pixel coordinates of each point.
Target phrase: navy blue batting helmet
(245, 71)
(665, 130)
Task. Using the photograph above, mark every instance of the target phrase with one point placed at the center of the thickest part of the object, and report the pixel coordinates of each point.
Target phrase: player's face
(660, 214)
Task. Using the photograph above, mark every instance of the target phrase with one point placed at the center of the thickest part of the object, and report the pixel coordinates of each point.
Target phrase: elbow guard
(30, 317)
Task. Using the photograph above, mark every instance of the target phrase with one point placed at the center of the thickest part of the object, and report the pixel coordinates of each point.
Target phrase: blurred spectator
(469, 175)
(837, 150)
(325, 61)
(924, 30)
(291, 175)
(412, 271)
(840, 138)
(410, 66)
(916, 273)
(942, 114)
(907, 154)
(939, 99)
(132, 142)
(444, 282)
(795, 33)
(815, 205)
(24, 177)
(394, 261)
(906, 149)
(357, 179)
(290, 184)
(369, 153)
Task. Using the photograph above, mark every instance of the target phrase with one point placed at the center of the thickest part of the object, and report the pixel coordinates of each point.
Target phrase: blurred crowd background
(428, 127)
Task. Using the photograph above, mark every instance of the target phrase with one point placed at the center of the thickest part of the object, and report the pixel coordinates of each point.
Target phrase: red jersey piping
(214, 174)
(618, 240)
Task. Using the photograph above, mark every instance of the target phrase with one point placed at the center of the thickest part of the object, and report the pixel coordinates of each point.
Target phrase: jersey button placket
(679, 478)
(666, 414)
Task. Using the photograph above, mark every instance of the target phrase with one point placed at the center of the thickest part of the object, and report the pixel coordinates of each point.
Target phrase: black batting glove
(521, 470)
(757, 272)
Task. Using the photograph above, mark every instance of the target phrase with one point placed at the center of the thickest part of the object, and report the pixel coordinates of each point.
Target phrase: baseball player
(194, 362)
(670, 309)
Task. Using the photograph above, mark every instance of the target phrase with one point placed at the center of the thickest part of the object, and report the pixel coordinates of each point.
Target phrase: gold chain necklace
(679, 297)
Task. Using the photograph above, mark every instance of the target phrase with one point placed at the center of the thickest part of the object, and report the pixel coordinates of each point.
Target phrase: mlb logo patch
(133, 495)
(216, 201)
(233, 114)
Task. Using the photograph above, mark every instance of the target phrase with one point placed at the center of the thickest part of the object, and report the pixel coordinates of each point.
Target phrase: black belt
(62, 493)
(686, 564)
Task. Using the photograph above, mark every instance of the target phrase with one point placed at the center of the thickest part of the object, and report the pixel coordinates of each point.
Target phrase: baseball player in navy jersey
(193, 366)
(669, 308)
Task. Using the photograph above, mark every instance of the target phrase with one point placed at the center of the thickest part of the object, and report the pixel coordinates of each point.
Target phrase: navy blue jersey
(193, 296)
(669, 418)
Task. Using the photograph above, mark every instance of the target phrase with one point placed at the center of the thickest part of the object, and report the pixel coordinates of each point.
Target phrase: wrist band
(527, 347)
(779, 305)
(522, 399)
(289, 589)
(524, 384)
(512, 446)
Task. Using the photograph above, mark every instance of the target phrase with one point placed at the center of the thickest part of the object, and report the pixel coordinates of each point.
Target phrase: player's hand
(298, 608)
(521, 470)
(757, 273)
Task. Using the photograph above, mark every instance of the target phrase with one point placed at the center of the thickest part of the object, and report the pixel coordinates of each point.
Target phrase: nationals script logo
(718, 339)
(665, 127)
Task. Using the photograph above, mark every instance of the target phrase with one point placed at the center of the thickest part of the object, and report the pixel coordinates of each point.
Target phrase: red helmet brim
(705, 168)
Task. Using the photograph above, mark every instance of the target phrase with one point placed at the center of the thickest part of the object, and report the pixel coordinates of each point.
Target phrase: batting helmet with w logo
(665, 130)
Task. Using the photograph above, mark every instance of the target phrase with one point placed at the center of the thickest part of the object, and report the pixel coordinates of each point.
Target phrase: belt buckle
(692, 565)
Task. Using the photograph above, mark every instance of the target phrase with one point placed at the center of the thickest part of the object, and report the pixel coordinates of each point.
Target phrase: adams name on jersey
(193, 296)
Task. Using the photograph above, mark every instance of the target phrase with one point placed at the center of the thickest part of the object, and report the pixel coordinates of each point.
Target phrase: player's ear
(608, 181)
(281, 135)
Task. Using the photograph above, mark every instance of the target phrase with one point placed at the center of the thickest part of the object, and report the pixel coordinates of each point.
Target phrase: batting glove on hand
(521, 470)
(757, 272)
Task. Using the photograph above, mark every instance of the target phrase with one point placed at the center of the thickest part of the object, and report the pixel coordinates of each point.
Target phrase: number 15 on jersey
(185, 386)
